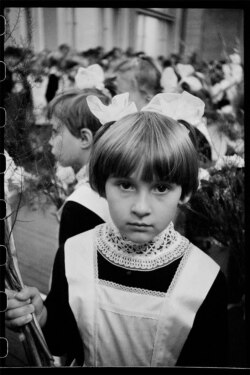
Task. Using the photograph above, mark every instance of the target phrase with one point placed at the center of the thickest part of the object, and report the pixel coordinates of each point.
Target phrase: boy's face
(141, 210)
(66, 148)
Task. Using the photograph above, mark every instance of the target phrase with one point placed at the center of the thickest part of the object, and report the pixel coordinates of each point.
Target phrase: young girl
(135, 292)
(73, 129)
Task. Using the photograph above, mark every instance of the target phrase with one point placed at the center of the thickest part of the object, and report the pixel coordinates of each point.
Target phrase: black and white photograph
(124, 185)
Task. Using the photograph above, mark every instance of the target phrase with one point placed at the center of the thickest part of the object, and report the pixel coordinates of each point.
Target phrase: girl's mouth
(139, 225)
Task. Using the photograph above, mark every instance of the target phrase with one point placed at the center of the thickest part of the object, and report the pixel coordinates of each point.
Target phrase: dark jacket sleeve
(61, 332)
(207, 343)
(76, 219)
(53, 84)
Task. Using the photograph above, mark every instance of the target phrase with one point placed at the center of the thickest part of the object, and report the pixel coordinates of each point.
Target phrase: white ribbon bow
(182, 106)
(90, 77)
(119, 107)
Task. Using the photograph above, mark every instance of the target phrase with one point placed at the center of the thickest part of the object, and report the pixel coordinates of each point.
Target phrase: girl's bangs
(146, 163)
(162, 166)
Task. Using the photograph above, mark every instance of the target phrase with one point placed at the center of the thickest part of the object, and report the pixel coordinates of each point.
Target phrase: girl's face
(141, 210)
(66, 148)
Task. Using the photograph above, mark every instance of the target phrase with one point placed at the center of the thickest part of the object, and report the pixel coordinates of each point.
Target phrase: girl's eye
(126, 186)
(161, 188)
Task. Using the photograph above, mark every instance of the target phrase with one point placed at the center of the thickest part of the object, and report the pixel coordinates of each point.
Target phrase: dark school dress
(206, 342)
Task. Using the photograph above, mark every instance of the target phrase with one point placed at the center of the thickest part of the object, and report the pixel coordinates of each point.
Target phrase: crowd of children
(35, 79)
(127, 289)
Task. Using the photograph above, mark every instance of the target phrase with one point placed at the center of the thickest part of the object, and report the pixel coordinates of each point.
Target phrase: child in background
(134, 292)
(54, 77)
(92, 76)
(140, 77)
(73, 130)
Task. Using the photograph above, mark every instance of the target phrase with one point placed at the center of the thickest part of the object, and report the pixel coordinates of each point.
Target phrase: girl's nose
(141, 206)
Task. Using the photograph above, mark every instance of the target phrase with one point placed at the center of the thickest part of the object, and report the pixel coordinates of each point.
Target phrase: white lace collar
(164, 249)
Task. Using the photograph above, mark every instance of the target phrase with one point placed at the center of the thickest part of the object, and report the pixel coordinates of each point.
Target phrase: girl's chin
(138, 238)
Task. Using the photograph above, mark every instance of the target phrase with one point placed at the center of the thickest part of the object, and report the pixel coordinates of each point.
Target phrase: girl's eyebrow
(167, 183)
(123, 178)
(126, 179)
(161, 181)
(152, 183)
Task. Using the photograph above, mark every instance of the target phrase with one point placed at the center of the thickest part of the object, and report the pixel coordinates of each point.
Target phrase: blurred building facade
(156, 31)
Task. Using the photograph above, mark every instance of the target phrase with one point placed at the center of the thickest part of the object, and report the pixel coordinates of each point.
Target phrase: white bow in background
(90, 77)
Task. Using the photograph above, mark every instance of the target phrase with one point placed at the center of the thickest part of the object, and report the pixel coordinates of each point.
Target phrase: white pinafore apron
(123, 326)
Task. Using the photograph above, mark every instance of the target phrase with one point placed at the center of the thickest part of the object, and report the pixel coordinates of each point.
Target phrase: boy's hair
(72, 110)
(146, 73)
(156, 146)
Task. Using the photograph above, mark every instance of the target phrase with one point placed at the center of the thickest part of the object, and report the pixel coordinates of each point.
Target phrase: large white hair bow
(182, 106)
(90, 77)
(119, 107)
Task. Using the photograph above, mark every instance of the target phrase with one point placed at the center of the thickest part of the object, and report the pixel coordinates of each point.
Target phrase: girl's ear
(184, 200)
(86, 136)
